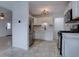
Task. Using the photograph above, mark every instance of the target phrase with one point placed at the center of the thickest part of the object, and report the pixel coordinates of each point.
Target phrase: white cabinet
(75, 9)
(78, 8)
(40, 33)
(74, 5)
(70, 45)
(41, 20)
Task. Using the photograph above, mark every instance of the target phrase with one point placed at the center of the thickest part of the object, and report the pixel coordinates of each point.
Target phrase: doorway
(5, 29)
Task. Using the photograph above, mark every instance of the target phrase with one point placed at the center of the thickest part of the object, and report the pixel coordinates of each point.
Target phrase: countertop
(70, 35)
(68, 32)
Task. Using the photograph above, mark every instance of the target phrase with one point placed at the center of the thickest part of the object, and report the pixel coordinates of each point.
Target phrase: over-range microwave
(68, 16)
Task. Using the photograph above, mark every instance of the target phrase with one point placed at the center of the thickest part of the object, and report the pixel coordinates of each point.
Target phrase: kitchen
(47, 29)
(69, 37)
(65, 29)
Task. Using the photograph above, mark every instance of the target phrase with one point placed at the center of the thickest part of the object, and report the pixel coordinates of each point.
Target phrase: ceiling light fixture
(1, 15)
(44, 12)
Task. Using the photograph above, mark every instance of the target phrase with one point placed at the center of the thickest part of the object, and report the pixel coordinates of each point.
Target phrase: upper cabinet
(78, 8)
(74, 5)
(75, 9)
(41, 20)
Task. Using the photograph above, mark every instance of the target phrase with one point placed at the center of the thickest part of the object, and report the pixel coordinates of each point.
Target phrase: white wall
(20, 30)
(3, 22)
(6, 4)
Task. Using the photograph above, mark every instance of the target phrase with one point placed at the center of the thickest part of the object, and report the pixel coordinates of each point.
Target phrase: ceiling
(53, 7)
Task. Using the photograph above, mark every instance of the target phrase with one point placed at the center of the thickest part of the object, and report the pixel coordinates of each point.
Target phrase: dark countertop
(68, 32)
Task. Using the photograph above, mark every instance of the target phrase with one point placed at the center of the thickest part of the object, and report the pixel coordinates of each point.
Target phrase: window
(8, 25)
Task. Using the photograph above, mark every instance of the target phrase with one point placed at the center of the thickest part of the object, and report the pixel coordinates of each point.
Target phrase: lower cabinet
(31, 40)
(70, 45)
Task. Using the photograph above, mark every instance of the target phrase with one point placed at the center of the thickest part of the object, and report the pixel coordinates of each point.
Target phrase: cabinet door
(71, 47)
(78, 8)
(74, 9)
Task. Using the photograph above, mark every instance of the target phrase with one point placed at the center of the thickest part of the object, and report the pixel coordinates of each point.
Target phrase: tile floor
(38, 49)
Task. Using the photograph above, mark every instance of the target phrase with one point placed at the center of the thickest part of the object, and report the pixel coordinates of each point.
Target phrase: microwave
(75, 28)
(68, 16)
